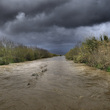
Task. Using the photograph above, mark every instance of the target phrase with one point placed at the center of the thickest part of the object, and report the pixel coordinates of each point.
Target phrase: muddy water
(53, 84)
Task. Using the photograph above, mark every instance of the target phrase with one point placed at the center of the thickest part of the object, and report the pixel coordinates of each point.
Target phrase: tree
(106, 38)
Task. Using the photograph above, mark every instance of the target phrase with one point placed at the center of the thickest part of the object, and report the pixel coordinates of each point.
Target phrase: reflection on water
(53, 84)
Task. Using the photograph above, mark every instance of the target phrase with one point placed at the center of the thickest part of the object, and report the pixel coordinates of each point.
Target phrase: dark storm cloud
(64, 13)
(81, 13)
(9, 9)
(53, 23)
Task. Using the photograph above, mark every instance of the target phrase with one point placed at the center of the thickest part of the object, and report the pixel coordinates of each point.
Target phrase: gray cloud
(56, 25)
(74, 12)
(9, 9)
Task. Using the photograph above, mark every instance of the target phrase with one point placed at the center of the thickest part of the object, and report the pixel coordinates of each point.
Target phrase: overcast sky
(56, 25)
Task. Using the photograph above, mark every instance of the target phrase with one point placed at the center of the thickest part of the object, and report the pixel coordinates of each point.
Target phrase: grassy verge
(94, 52)
(13, 53)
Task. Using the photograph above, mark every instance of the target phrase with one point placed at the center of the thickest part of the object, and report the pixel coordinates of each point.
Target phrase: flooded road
(53, 84)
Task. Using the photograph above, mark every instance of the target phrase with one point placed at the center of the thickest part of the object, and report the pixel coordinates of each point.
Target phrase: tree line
(94, 52)
(11, 52)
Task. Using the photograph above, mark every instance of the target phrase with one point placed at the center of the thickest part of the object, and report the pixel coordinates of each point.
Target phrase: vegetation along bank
(94, 52)
(11, 52)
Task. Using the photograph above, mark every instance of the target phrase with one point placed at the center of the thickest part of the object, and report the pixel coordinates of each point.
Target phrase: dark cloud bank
(56, 25)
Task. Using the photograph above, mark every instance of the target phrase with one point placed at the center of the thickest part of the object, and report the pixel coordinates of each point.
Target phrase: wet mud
(53, 84)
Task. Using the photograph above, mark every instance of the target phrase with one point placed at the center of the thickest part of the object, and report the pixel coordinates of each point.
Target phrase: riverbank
(11, 52)
(93, 52)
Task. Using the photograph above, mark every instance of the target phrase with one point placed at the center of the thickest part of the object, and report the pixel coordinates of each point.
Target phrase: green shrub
(93, 52)
(108, 69)
(106, 38)
(4, 61)
(11, 52)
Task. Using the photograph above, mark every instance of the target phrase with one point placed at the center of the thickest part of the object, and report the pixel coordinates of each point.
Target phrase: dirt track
(53, 84)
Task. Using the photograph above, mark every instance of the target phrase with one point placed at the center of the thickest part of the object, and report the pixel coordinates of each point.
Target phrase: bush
(11, 52)
(106, 38)
(93, 52)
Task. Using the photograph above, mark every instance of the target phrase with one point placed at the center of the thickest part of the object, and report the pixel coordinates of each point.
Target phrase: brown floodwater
(53, 84)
